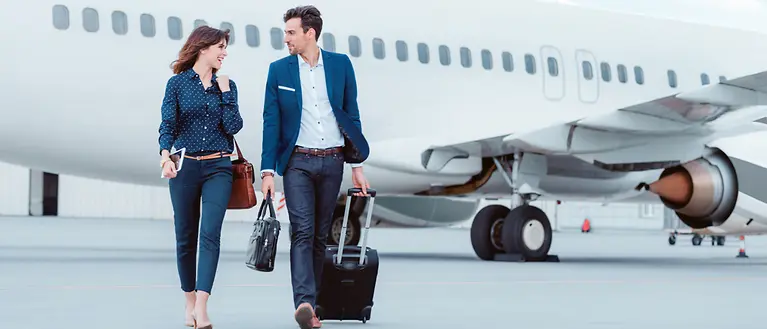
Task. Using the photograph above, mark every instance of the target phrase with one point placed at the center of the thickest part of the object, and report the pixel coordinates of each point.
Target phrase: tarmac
(121, 274)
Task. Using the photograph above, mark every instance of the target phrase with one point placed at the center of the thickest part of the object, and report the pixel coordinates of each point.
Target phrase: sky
(744, 14)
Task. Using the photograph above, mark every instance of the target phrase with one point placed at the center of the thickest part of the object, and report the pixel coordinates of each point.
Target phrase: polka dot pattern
(201, 120)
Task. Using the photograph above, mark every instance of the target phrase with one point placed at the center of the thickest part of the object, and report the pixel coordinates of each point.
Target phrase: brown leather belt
(209, 156)
(319, 152)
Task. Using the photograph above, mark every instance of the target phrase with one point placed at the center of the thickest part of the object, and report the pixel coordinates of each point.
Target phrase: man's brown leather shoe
(305, 316)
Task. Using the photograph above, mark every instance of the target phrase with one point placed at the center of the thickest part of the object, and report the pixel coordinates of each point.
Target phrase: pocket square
(286, 88)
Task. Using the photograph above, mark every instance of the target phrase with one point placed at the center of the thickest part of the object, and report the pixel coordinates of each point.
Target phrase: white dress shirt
(319, 128)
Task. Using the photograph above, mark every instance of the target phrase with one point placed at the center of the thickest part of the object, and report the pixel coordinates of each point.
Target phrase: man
(311, 128)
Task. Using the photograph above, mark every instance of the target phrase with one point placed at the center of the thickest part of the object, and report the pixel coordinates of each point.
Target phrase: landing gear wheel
(696, 240)
(486, 230)
(672, 240)
(720, 240)
(353, 229)
(527, 231)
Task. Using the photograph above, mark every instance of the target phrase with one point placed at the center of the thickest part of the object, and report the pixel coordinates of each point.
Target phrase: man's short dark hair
(310, 18)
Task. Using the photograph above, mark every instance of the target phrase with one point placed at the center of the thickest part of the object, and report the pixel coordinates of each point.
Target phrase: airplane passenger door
(553, 73)
(588, 84)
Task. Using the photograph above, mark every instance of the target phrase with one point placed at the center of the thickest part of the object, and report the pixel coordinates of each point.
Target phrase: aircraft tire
(353, 230)
(527, 231)
(697, 240)
(486, 231)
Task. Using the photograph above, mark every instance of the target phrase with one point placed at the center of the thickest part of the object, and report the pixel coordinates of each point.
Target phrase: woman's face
(214, 55)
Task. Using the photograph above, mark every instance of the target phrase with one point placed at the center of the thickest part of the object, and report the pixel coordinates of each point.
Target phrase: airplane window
(329, 42)
(487, 59)
(378, 48)
(119, 22)
(148, 28)
(588, 70)
(355, 46)
(199, 22)
(423, 53)
(60, 17)
(252, 37)
(277, 38)
(90, 20)
(444, 55)
(530, 63)
(622, 74)
(401, 48)
(607, 74)
(175, 29)
(671, 78)
(553, 66)
(704, 80)
(230, 27)
(639, 75)
(722, 78)
(465, 57)
(508, 61)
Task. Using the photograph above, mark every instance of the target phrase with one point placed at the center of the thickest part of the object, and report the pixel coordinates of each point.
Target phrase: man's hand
(267, 185)
(359, 181)
(223, 82)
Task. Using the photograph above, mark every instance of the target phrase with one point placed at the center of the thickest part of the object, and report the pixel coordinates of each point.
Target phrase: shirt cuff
(355, 165)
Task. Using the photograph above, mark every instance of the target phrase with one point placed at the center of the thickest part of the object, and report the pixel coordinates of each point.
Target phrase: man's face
(295, 37)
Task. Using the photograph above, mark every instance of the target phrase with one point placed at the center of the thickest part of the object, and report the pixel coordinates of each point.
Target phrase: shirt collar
(302, 62)
(191, 74)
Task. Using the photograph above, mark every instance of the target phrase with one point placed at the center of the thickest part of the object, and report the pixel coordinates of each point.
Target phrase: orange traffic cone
(586, 227)
(742, 251)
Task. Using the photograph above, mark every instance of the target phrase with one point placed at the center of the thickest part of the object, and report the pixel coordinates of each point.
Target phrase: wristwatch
(266, 173)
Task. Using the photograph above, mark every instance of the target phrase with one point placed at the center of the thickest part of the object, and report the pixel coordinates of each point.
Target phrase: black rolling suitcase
(349, 276)
(262, 244)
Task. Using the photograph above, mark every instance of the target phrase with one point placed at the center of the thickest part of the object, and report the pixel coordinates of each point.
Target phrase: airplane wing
(694, 117)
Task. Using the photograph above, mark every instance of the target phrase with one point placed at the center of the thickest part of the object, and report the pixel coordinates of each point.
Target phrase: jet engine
(702, 192)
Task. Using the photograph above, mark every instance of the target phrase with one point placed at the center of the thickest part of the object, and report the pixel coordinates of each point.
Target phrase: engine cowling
(702, 192)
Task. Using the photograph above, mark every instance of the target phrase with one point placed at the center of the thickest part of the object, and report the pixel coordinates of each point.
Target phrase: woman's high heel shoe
(192, 324)
(210, 326)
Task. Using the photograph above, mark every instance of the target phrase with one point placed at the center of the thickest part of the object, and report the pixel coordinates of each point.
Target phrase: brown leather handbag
(243, 194)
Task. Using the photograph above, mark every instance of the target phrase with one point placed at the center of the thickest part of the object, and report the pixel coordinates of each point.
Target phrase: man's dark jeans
(311, 186)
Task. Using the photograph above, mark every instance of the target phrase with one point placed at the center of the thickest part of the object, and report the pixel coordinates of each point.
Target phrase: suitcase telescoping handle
(363, 249)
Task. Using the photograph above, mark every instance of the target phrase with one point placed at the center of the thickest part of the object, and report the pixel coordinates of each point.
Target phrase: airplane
(527, 100)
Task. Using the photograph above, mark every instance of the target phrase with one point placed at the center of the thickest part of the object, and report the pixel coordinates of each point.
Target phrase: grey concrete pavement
(90, 273)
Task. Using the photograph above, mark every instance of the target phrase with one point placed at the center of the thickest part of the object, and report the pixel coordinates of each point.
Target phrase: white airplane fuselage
(88, 103)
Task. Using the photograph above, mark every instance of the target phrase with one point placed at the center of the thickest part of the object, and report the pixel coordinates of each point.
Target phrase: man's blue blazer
(283, 108)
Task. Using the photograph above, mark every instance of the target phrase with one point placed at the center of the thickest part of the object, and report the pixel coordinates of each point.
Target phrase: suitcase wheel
(366, 313)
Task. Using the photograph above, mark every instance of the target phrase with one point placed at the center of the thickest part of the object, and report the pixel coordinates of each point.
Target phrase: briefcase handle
(349, 193)
(266, 202)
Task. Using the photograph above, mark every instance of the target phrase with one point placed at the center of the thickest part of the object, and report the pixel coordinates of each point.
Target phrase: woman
(199, 113)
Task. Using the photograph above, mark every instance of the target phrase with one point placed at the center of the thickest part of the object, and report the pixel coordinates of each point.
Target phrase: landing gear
(522, 233)
(354, 229)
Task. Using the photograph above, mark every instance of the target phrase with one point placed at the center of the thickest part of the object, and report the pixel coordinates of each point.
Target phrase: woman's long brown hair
(202, 37)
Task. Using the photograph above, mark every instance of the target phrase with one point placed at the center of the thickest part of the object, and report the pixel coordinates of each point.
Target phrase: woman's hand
(223, 82)
(169, 169)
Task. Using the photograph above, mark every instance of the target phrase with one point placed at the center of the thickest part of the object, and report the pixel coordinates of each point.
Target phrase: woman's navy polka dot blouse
(201, 120)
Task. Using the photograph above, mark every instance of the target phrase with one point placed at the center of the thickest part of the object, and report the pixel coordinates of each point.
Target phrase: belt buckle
(198, 158)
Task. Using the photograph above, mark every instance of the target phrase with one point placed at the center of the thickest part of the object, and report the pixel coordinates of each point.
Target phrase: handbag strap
(267, 202)
(239, 153)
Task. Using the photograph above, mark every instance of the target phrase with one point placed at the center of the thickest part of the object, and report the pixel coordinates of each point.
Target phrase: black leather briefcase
(262, 245)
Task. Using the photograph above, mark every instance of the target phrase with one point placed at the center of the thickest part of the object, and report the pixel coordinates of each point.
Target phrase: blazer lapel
(294, 77)
(329, 82)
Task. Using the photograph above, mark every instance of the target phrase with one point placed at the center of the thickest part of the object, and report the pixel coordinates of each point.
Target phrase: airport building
(27, 192)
